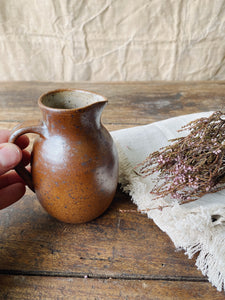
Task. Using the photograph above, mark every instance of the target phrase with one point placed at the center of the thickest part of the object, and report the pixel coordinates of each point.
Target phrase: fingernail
(10, 155)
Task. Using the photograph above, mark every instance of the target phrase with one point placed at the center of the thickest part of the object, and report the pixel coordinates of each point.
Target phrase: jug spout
(89, 117)
(98, 106)
(67, 99)
(71, 107)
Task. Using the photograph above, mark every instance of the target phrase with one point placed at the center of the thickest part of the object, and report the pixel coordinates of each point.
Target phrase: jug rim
(61, 90)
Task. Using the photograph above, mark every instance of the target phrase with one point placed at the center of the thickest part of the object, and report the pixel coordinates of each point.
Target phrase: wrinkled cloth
(111, 40)
(197, 227)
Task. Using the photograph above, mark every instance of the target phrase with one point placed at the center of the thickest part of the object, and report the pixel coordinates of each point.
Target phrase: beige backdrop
(112, 40)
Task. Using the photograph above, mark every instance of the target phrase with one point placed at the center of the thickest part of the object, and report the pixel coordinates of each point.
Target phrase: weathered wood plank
(36, 287)
(122, 244)
(134, 103)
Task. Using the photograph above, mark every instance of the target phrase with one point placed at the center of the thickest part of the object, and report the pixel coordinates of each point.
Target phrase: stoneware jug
(74, 166)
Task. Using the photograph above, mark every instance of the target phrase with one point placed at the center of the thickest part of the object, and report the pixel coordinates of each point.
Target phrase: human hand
(12, 187)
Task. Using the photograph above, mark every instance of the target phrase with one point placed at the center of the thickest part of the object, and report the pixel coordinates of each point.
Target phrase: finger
(22, 141)
(10, 156)
(4, 135)
(26, 157)
(11, 194)
(10, 178)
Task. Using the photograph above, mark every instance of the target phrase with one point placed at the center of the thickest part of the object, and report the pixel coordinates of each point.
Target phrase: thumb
(10, 156)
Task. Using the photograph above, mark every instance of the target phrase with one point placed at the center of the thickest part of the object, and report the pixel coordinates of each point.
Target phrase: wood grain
(123, 253)
(130, 103)
(122, 243)
(38, 287)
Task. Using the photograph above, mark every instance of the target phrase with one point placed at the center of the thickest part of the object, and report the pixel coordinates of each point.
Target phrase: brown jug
(74, 166)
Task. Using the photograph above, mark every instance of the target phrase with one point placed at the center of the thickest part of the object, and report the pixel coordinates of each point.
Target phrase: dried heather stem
(193, 165)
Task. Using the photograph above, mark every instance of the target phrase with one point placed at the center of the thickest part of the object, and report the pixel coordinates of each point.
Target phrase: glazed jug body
(74, 159)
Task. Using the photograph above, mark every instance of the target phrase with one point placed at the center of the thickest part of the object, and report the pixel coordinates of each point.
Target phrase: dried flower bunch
(193, 165)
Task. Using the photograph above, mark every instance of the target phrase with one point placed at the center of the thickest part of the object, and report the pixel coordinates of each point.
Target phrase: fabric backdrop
(112, 40)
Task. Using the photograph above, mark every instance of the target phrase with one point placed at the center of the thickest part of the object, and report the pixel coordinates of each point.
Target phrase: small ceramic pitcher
(74, 166)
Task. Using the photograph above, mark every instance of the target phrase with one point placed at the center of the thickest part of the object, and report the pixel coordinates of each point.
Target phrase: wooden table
(120, 255)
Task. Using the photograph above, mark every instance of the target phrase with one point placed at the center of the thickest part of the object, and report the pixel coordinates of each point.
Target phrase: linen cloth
(196, 227)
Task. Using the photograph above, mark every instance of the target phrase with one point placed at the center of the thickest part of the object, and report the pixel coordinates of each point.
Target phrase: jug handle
(22, 128)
